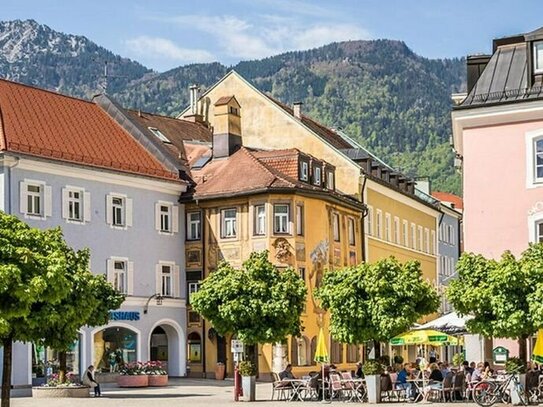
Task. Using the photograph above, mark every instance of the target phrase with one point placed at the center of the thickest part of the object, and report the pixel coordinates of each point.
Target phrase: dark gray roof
(356, 153)
(504, 80)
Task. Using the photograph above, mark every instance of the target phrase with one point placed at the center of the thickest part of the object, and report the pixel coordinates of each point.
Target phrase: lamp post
(159, 298)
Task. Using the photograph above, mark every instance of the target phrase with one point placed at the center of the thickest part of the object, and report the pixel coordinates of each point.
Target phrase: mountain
(379, 92)
(35, 54)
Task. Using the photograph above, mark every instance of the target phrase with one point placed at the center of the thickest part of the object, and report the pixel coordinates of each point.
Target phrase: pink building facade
(498, 138)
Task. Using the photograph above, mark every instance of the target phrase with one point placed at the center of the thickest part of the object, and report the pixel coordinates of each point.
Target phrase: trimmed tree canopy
(258, 303)
(376, 301)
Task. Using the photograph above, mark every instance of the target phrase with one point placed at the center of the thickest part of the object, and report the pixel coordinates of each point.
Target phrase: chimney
(297, 109)
(475, 64)
(193, 115)
(226, 127)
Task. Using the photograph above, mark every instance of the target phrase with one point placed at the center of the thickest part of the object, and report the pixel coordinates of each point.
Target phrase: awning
(451, 323)
(424, 337)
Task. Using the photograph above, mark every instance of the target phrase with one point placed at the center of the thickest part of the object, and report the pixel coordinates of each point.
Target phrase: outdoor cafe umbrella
(321, 355)
(537, 354)
(424, 337)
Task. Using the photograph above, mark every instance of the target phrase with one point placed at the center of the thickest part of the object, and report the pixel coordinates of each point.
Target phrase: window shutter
(175, 218)
(157, 216)
(158, 279)
(23, 202)
(48, 205)
(87, 206)
(176, 282)
(109, 271)
(109, 209)
(128, 212)
(65, 214)
(130, 278)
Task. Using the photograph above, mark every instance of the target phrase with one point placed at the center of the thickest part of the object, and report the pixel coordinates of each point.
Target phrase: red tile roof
(448, 197)
(46, 124)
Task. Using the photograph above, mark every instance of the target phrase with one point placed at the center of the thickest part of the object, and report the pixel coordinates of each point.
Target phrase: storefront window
(45, 361)
(195, 347)
(113, 347)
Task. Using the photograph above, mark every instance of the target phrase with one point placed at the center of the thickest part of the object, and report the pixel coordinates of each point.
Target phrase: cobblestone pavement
(182, 392)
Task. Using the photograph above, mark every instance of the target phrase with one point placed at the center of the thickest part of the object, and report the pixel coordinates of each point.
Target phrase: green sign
(500, 355)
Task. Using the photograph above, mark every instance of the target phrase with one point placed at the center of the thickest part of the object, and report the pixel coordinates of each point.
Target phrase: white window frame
(405, 233)
(537, 69)
(300, 229)
(351, 230)
(68, 202)
(165, 217)
(369, 221)
(330, 180)
(531, 138)
(128, 274)
(397, 238)
(413, 236)
(427, 240)
(283, 227)
(192, 287)
(318, 175)
(126, 214)
(388, 227)
(304, 171)
(229, 224)
(336, 229)
(159, 135)
(379, 224)
(44, 196)
(420, 241)
(174, 277)
(260, 220)
(197, 224)
(433, 242)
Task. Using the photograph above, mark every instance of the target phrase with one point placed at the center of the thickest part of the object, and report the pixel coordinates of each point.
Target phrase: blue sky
(163, 34)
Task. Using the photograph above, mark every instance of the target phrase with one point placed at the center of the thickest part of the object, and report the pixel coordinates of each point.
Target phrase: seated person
(401, 380)
(287, 373)
(487, 372)
(477, 374)
(359, 373)
(466, 368)
(436, 380)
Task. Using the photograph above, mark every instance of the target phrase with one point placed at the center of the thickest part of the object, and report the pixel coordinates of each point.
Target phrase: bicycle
(487, 393)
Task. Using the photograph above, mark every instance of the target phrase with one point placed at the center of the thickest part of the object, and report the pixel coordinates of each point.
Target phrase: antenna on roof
(106, 76)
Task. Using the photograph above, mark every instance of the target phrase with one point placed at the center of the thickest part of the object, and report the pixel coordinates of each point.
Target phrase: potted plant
(158, 376)
(518, 367)
(372, 370)
(55, 388)
(220, 371)
(247, 370)
(133, 375)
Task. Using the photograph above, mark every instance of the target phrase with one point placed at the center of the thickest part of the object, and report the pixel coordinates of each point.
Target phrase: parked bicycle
(487, 393)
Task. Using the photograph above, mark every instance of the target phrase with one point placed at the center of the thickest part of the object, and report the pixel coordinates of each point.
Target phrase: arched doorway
(167, 345)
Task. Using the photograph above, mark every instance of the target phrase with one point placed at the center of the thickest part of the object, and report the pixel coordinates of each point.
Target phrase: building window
(34, 200)
(388, 226)
(166, 280)
(397, 230)
(159, 135)
(193, 288)
(405, 233)
(281, 218)
(165, 218)
(317, 175)
(330, 180)
(194, 225)
(538, 57)
(260, 220)
(379, 224)
(421, 239)
(120, 276)
(194, 347)
(539, 232)
(304, 170)
(351, 229)
(118, 211)
(335, 226)
(300, 220)
(427, 240)
(75, 204)
(369, 221)
(413, 236)
(301, 272)
(229, 223)
(433, 242)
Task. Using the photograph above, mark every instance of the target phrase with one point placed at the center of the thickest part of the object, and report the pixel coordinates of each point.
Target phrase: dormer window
(538, 57)
(330, 180)
(304, 171)
(234, 110)
(159, 135)
(317, 176)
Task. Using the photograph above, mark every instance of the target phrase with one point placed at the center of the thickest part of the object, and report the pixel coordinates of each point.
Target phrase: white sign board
(237, 346)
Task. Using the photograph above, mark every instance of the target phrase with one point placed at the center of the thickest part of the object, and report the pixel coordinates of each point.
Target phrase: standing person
(89, 380)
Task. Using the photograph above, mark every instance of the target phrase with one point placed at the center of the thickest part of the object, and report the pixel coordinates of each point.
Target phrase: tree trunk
(62, 366)
(522, 349)
(7, 344)
(377, 349)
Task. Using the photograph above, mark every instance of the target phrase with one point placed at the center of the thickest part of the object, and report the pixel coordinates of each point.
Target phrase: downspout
(362, 222)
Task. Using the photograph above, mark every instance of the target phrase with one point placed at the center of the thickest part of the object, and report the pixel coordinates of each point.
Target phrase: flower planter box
(133, 380)
(58, 392)
(248, 384)
(158, 380)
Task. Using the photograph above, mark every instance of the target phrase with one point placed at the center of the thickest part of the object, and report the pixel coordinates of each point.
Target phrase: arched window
(313, 350)
(114, 346)
(337, 352)
(294, 351)
(194, 343)
(353, 353)
(300, 351)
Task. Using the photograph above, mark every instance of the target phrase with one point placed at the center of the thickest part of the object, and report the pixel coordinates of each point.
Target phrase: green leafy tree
(258, 303)
(87, 302)
(505, 297)
(375, 302)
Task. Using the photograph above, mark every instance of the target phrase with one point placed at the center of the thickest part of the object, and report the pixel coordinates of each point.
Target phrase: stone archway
(167, 344)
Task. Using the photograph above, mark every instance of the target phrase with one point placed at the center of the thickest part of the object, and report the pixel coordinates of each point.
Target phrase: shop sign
(501, 355)
(124, 315)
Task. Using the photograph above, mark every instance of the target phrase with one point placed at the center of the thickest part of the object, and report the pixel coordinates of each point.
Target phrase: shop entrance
(114, 347)
(167, 347)
(159, 345)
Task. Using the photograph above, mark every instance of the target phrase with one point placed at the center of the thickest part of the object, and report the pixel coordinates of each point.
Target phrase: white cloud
(267, 34)
(164, 48)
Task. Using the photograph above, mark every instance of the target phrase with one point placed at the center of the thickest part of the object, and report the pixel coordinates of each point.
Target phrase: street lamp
(158, 297)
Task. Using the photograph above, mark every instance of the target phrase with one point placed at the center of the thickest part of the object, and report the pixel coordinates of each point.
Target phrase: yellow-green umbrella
(424, 337)
(537, 354)
(321, 353)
